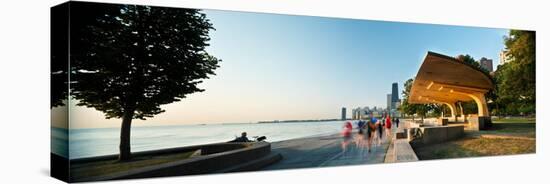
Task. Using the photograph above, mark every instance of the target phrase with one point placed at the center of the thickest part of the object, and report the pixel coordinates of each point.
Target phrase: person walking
(371, 127)
(346, 134)
(380, 127)
(397, 122)
(360, 137)
(388, 127)
(361, 126)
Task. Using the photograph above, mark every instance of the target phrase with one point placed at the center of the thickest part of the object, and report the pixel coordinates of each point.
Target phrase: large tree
(59, 66)
(516, 79)
(128, 60)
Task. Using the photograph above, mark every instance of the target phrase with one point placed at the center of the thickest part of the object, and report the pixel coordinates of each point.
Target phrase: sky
(283, 67)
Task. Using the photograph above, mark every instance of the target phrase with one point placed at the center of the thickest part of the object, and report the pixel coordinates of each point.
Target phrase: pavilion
(446, 80)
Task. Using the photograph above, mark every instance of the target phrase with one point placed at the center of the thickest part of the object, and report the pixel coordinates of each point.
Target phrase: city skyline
(278, 67)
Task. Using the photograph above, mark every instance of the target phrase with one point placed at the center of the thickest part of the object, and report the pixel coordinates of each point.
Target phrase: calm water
(104, 141)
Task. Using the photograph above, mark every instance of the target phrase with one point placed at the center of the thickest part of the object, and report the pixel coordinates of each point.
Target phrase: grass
(520, 129)
(472, 145)
(515, 120)
(525, 127)
(107, 167)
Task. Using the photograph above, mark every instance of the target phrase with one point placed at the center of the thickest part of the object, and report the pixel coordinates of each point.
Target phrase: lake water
(105, 141)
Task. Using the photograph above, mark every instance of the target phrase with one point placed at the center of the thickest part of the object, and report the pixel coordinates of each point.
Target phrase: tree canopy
(128, 60)
(469, 60)
(516, 80)
(59, 65)
(139, 57)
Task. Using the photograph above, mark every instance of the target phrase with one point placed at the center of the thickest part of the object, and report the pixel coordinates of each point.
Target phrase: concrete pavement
(327, 151)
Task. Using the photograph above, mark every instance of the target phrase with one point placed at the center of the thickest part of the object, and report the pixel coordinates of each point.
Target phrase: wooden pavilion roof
(444, 79)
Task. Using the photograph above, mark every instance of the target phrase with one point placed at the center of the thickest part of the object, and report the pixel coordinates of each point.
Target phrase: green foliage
(410, 109)
(59, 75)
(58, 81)
(516, 79)
(128, 60)
(469, 60)
(132, 59)
(439, 109)
(469, 107)
(405, 107)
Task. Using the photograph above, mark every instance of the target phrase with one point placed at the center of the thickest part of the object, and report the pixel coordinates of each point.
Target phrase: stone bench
(400, 151)
(434, 135)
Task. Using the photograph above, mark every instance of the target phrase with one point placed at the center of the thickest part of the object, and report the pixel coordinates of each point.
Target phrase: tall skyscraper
(486, 63)
(388, 102)
(394, 95)
(343, 113)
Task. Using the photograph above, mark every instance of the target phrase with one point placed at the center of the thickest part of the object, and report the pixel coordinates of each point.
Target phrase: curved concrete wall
(218, 157)
(206, 149)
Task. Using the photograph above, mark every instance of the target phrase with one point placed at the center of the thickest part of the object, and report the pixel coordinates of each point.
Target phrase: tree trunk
(124, 146)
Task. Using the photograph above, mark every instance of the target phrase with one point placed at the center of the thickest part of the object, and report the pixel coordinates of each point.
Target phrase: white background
(24, 90)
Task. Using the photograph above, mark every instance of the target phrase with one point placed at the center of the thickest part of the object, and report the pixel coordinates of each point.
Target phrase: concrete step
(254, 164)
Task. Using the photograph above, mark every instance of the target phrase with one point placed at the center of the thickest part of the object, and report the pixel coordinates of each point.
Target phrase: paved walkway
(326, 151)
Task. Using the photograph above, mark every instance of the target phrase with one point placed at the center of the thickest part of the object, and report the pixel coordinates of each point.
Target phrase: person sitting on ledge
(242, 138)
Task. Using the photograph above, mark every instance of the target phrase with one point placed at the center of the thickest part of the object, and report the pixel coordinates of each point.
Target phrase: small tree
(407, 108)
(132, 59)
(424, 110)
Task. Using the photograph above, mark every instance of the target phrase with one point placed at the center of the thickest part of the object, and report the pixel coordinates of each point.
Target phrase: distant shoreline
(299, 121)
(203, 124)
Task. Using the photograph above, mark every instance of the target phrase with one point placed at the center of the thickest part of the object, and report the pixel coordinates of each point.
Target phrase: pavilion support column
(483, 121)
(482, 109)
(479, 98)
(461, 112)
(453, 110)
